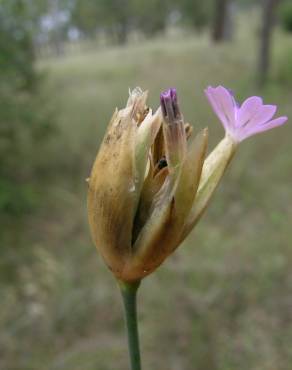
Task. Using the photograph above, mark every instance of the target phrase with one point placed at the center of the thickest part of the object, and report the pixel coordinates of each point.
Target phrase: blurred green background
(224, 300)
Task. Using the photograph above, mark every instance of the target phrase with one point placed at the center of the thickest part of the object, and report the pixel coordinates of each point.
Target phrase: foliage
(86, 16)
(196, 13)
(286, 15)
(117, 18)
(111, 16)
(24, 121)
(150, 16)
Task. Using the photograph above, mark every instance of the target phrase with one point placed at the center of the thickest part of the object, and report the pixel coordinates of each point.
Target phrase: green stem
(129, 293)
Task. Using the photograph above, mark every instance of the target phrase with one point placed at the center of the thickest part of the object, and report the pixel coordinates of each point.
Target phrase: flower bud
(143, 184)
(173, 129)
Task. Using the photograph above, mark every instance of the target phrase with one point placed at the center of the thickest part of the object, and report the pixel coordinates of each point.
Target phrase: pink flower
(240, 122)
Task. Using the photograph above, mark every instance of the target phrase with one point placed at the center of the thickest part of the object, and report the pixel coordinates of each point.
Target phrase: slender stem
(129, 293)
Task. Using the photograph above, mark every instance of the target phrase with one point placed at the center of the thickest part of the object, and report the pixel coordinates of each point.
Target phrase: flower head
(143, 184)
(148, 186)
(240, 122)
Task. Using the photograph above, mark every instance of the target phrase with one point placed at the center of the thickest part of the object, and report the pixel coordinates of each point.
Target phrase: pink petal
(264, 114)
(248, 109)
(210, 94)
(223, 105)
(264, 127)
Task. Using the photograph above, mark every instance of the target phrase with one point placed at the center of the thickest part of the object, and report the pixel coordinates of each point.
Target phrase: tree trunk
(222, 28)
(264, 58)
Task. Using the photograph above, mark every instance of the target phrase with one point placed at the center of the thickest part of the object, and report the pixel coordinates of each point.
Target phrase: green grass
(223, 300)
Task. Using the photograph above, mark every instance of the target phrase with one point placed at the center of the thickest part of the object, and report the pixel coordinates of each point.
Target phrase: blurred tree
(56, 31)
(86, 15)
(53, 21)
(195, 12)
(112, 16)
(118, 14)
(117, 18)
(222, 27)
(264, 56)
(24, 120)
(150, 17)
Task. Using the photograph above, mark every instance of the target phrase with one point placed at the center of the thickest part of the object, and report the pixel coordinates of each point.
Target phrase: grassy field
(223, 301)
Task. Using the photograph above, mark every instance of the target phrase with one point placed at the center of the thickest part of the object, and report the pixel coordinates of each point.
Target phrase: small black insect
(162, 163)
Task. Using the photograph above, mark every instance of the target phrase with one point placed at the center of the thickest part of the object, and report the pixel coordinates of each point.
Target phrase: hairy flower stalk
(150, 183)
